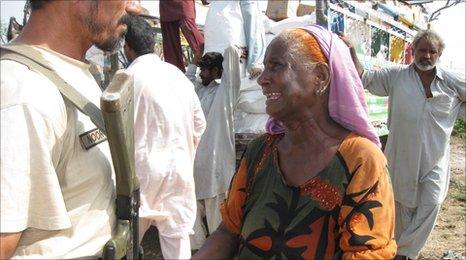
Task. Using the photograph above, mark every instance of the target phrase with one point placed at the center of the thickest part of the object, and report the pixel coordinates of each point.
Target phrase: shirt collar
(438, 71)
(214, 83)
(65, 58)
(142, 58)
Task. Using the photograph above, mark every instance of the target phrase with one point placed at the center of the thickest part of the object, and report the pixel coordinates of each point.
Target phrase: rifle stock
(118, 112)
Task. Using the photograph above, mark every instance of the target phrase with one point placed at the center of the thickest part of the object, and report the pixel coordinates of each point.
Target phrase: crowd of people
(316, 185)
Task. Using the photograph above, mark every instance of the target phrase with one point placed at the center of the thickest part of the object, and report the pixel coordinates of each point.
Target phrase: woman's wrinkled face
(285, 82)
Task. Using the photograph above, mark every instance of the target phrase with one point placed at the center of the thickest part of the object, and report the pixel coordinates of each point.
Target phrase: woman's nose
(263, 79)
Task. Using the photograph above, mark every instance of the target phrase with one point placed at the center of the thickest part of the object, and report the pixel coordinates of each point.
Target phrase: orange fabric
(367, 168)
(232, 215)
(312, 47)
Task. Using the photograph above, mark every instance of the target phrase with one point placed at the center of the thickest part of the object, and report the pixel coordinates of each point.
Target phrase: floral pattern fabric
(345, 211)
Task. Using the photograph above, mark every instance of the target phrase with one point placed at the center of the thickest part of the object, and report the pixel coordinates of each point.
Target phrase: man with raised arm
(424, 102)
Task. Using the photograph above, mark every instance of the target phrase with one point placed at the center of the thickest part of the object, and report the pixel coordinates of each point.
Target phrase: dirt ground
(449, 233)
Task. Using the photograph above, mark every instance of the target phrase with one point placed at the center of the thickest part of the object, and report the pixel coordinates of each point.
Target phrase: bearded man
(57, 193)
(424, 102)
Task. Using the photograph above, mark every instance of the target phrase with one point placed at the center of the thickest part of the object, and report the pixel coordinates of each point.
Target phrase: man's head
(211, 67)
(139, 38)
(37, 4)
(71, 27)
(104, 22)
(427, 48)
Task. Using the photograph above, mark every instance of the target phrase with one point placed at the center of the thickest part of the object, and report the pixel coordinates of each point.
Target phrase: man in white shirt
(424, 102)
(214, 165)
(57, 191)
(168, 126)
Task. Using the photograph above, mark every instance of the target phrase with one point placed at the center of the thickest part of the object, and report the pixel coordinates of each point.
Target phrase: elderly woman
(316, 186)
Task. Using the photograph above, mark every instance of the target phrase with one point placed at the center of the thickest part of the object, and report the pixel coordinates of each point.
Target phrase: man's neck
(55, 32)
(425, 73)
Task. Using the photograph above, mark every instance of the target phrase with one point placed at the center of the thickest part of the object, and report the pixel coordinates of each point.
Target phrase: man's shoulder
(397, 68)
(450, 73)
(157, 78)
(22, 86)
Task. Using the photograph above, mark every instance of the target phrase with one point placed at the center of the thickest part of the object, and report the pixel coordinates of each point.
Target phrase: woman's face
(287, 85)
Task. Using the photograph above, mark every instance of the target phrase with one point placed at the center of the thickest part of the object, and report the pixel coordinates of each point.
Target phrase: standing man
(214, 165)
(424, 102)
(176, 14)
(57, 192)
(168, 124)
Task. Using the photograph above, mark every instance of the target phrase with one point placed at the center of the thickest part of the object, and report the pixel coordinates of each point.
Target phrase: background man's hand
(255, 71)
(346, 40)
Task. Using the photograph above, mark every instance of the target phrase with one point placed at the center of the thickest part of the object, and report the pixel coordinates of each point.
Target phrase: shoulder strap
(33, 59)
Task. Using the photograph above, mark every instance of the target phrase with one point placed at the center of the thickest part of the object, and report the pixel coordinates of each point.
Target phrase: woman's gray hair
(296, 48)
(430, 36)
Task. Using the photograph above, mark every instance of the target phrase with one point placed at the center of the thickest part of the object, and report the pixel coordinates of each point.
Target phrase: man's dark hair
(140, 36)
(212, 60)
(37, 4)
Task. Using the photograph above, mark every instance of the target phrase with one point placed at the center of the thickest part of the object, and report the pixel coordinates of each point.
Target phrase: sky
(450, 26)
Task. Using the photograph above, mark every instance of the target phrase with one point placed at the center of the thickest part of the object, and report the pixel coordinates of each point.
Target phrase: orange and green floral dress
(345, 212)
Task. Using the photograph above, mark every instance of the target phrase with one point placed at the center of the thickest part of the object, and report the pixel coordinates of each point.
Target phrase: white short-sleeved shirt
(58, 193)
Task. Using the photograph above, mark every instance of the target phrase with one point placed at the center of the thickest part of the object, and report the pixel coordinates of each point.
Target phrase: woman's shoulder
(359, 151)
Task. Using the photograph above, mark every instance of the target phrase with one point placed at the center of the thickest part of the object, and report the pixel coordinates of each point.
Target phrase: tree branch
(434, 16)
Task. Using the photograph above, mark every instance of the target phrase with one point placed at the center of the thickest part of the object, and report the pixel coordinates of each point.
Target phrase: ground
(449, 233)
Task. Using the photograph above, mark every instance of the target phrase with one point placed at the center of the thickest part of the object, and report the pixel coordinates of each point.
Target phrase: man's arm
(192, 69)
(354, 56)
(8, 244)
(231, 74)
(222, 244)
(255, 37)
(378, 82)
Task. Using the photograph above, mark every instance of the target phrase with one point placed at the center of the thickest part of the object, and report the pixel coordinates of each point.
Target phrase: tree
(3, 31)
(449, 3)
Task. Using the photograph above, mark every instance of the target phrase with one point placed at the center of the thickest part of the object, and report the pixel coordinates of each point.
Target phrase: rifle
(117, 105)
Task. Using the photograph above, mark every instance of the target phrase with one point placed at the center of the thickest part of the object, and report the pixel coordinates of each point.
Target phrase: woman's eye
(276, 66)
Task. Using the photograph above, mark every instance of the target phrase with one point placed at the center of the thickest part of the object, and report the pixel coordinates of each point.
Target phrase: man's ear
(217, 72)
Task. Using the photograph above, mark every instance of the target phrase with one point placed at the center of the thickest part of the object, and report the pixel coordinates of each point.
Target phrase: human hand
(255, 71)
(345, 39)
(243, 53)
(134, 7)
(196, 58)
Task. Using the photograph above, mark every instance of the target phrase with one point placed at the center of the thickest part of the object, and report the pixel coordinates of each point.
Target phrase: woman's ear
(322, 74)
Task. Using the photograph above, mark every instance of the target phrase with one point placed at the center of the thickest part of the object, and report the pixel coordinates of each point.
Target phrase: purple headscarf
(347, 102)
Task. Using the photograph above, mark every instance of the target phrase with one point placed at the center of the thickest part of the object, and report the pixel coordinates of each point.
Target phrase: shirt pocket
(441, 105)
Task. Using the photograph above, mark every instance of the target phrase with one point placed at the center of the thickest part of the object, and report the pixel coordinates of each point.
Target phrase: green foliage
(460, 128)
